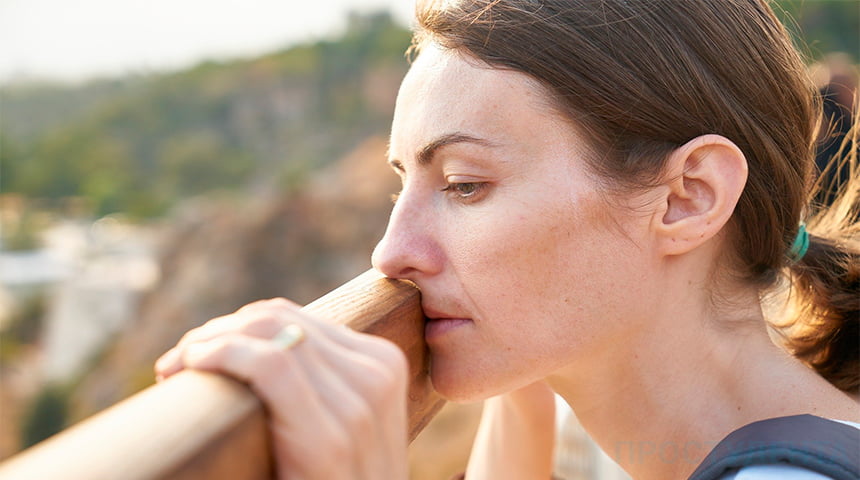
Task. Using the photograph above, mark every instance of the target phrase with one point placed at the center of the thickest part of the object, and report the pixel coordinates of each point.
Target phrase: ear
(706, 178)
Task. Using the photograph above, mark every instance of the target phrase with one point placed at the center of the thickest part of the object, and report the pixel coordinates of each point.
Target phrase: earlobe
(706, 177)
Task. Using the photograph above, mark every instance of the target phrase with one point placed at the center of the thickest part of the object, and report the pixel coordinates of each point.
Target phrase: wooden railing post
(204, 426)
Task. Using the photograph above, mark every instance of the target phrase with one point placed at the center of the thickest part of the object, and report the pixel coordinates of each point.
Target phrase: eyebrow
(425, 156)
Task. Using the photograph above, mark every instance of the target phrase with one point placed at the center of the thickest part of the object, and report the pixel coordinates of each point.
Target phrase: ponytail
(823, 328)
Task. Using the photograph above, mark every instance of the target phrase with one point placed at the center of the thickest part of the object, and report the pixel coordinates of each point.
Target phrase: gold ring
(289, 336)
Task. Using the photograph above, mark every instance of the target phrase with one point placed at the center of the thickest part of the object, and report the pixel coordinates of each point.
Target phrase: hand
(336, 400)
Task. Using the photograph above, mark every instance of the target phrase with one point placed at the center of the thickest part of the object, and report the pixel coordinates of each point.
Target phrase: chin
(454, 393)
(461, 385)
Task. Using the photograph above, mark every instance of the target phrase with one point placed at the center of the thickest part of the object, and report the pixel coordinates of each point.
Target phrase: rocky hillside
(219, 255)
(142, 145)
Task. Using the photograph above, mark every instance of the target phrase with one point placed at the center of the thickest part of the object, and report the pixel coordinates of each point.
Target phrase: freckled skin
(535, 259)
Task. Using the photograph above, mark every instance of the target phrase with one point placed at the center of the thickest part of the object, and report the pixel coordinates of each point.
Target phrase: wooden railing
(205, 426)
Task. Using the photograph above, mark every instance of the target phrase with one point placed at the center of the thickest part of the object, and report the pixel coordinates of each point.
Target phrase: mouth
(432, 315)
(439, 324)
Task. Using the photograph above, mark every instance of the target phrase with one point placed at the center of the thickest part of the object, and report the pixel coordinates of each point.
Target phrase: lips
(440, 325)
(433, 314)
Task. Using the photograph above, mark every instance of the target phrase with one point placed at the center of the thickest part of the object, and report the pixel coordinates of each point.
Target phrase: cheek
(527, 259)
(564, 268)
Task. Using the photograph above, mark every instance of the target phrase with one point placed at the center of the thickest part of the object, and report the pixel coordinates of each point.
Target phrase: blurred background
(162, 163)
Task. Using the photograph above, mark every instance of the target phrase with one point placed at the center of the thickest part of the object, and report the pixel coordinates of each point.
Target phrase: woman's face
(523, 267)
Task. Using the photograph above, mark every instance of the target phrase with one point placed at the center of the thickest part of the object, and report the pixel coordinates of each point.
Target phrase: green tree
(822, 26)
(45, 417)
(219, 126)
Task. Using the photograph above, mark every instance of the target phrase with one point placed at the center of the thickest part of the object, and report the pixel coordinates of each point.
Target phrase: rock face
(218, 255)
(97, 297)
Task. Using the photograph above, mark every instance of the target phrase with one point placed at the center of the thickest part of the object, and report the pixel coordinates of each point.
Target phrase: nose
(408, 249)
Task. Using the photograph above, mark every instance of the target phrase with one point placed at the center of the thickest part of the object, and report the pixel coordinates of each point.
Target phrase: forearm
(516, 436)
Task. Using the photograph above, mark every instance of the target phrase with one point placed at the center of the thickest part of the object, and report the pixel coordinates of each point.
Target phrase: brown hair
(642, 77)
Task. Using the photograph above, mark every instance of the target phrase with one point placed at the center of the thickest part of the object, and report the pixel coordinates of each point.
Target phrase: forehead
(448, 91)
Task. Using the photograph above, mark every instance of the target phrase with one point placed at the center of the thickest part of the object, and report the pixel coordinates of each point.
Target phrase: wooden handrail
(205, 426)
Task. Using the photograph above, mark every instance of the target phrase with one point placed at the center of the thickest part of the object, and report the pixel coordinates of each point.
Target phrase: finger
(257, 325)
(366, 394)
(168, 364)
(171, 361)
(265, 317)
(338, 333)
(258, 319)
(297, 392)
(277, 377)
(351, 413)
(277, 302)
(369, 397)
(261, 319)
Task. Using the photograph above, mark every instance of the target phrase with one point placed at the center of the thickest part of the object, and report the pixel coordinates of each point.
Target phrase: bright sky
(77, 39)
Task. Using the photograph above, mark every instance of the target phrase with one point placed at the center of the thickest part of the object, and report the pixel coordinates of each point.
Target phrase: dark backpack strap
(821, 445)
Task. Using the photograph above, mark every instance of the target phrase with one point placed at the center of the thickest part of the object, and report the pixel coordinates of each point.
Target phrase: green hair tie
(800, 245)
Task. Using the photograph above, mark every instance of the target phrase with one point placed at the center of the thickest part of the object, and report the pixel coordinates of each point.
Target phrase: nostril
(382, 260)
(408, 248)
(392, 260)
(376, 256)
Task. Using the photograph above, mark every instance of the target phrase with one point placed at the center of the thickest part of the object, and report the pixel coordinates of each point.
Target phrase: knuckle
(278, 302)
(393, 357)
(247, 307)
(359, 416)
(339, 443)
(204, 353)
(269, 364)
(260, 323)
(383, 385)
(223, 344)
(191, 335)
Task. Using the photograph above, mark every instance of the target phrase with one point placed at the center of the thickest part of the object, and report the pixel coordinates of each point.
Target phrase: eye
(466, 191)
(397, 166)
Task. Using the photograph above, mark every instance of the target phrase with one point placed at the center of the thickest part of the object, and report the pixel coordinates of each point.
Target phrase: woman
(596, 196)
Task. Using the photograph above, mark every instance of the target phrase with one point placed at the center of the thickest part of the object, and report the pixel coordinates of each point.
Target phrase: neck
(660, 399)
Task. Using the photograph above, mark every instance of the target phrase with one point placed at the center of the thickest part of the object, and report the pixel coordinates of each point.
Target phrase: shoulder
(800, 447)
(774, 472)
(846, 422)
